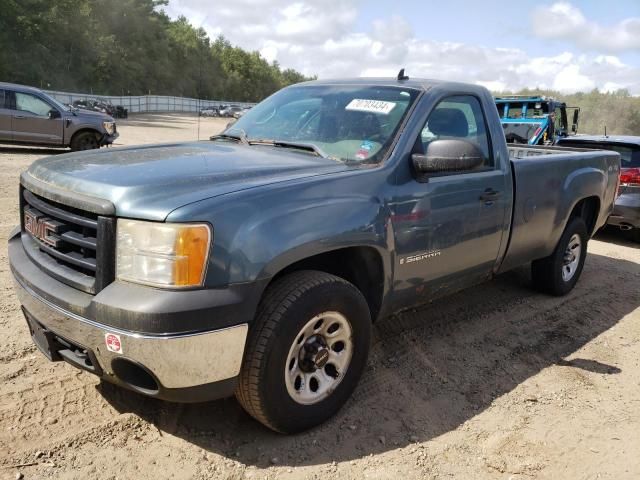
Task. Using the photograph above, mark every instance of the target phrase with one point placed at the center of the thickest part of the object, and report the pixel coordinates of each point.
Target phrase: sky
(567, 46)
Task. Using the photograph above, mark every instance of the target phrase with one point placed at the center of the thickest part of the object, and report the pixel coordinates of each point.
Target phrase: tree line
(131, 47)
(618, 111)
(127, 47)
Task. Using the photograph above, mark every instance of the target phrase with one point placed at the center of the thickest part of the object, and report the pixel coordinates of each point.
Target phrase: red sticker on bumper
(113, 342)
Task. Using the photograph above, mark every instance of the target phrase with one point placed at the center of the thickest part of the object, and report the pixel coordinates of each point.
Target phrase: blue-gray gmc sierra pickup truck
(256, 262)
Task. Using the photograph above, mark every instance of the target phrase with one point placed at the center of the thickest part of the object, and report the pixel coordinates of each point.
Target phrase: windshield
(347, 123)
(520, 132)
(629, 157)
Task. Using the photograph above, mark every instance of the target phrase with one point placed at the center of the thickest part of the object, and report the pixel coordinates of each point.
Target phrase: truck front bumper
(108, 139)
(181, 367)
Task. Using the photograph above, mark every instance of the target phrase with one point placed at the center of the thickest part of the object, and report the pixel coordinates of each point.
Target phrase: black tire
(547, 273)
(635, 235)
(84, 141)
(286, 308)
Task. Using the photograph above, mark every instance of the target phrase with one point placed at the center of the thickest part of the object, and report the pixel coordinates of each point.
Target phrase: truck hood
(148, 182)
(83, 114)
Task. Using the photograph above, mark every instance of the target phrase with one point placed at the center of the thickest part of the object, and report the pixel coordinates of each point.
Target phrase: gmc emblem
(41, 227)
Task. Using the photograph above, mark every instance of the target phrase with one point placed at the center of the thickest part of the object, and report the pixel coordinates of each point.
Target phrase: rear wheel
(84, 141)
(306, 352)
(558, 273)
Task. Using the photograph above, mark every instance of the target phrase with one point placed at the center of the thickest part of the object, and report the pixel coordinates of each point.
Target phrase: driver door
(30, 120)
(449, 227)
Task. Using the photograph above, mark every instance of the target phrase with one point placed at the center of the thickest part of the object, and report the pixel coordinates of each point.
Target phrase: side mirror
(53, 113)
(446, 156)
(574, 126)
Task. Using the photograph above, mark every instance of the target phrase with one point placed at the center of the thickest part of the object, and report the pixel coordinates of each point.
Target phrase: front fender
(258, 232)
(273, 239)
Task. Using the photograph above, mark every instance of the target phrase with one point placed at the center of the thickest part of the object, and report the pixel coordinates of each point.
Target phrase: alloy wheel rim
(571, 257)
(319, 358)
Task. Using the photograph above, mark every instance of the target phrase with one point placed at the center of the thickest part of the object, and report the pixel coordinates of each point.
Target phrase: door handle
(19, 116)
(490, 195)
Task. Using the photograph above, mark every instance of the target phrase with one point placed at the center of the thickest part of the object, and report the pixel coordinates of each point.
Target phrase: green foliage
(618, 111)
(126, 47)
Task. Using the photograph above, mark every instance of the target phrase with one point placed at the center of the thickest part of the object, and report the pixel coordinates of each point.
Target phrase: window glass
(2, 105)
(515, 110)
(629, 157)
(26, 102)
(349, 123)
(537, 109)
(458, 117)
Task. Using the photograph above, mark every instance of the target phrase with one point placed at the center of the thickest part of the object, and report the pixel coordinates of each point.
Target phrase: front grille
(72, 245)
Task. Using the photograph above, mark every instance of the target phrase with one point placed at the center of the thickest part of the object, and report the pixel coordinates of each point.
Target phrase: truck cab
(536, 120)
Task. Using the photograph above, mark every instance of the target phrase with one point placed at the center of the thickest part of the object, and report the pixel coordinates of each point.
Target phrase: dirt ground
(497, 382)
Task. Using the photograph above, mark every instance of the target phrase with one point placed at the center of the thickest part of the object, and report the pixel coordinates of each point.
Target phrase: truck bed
(523, 151)
(547, 180)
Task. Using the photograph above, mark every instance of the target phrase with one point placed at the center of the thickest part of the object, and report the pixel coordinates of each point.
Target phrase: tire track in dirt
(50, 409)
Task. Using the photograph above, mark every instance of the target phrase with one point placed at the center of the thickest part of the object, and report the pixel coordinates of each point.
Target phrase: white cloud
(563, 21)
(570, 78)
(321, 38)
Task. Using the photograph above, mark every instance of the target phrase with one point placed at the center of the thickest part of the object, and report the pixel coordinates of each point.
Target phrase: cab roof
(423, 84)
(18, 87)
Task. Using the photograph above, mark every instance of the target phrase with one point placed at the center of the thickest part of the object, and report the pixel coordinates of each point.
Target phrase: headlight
(162, 254)
(109, 127)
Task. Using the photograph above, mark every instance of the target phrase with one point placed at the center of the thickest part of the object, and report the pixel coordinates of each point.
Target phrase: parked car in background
(94, 106)
(626, 212)
(257, 262)
(29, 116)
(241, 112)
(102, 106)
(209, 112)
(229, 111)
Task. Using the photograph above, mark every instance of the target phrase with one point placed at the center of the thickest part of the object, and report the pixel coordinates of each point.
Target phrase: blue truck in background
(536, 120)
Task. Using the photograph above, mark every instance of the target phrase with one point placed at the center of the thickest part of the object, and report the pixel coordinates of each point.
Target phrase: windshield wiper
(242, 138)
(308, 147)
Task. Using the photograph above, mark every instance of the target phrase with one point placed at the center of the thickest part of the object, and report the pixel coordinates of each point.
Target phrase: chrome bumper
(180, 361)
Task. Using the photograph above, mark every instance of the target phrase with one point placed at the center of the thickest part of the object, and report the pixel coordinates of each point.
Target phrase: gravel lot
(497, 382)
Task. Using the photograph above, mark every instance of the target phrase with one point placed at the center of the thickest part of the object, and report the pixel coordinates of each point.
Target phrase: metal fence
(146, 103)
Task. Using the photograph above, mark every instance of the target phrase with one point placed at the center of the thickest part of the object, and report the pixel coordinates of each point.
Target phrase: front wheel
(84, 141)
(306, 351)
(558, 273)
